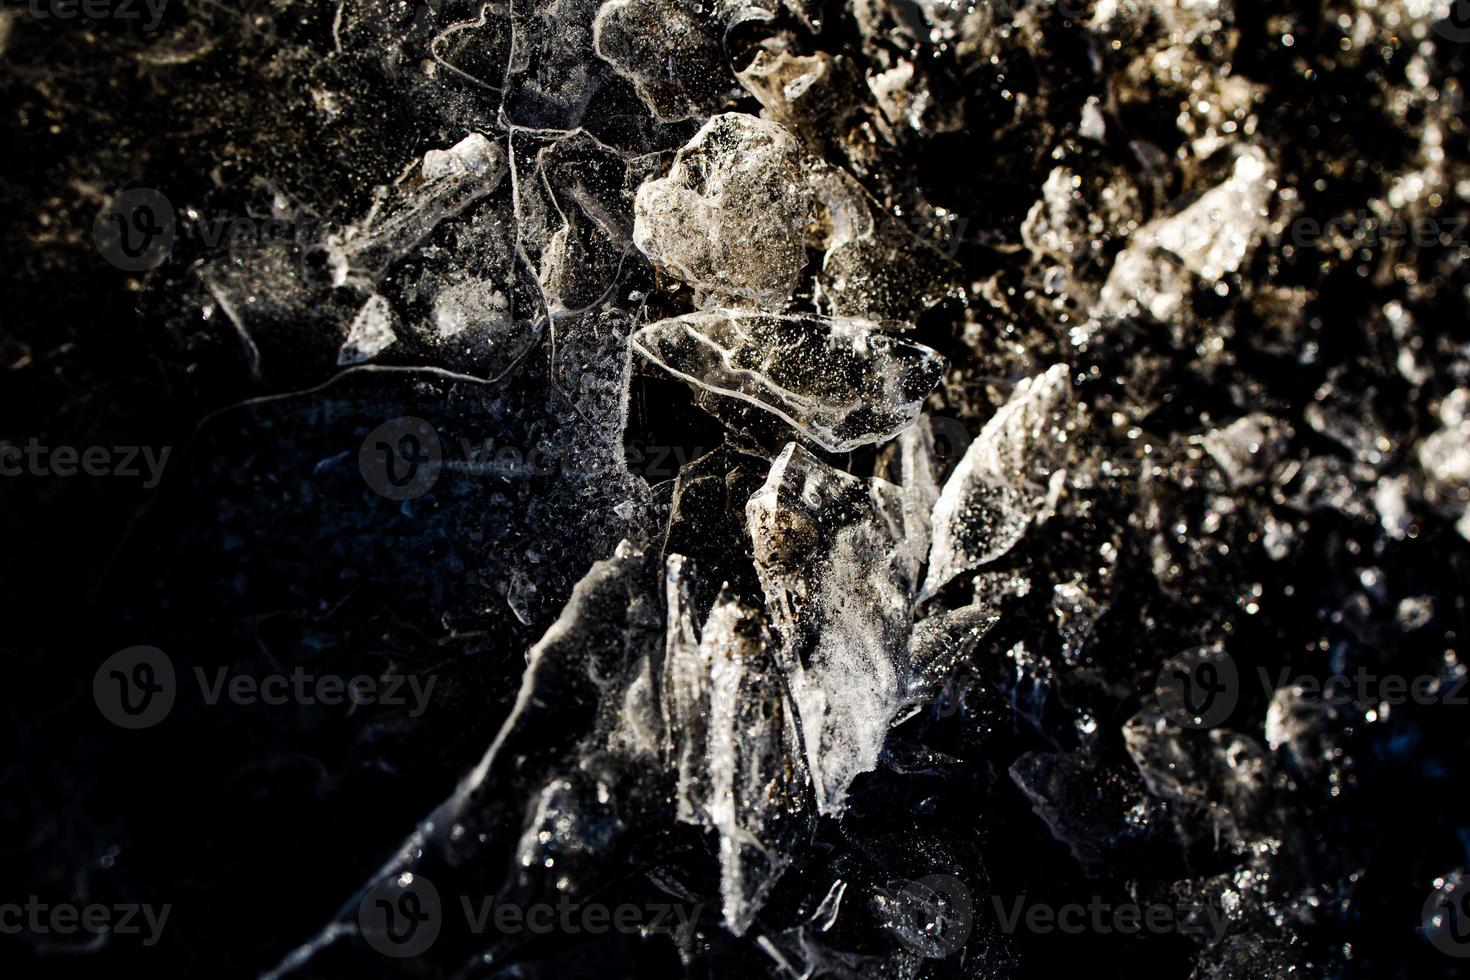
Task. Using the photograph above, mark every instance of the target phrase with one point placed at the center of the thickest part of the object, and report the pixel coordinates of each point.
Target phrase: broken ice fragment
(1210, 238)
(467, 305)
(1100, 811)
(839, 588)
(940, 643)
(1215, 782)
(733, 742)
(911, 462)
(371, 332)
(1077, 611)
(875, 266)
(452, 180)
(730, 216)
(1003, 481)
(1247, 448)
(685, 686)
(1445, 459)
(752, 745)
(839, 382)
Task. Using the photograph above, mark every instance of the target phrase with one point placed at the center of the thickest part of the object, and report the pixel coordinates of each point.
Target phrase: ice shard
(449, 181)
(839, 588)
(1004, 479)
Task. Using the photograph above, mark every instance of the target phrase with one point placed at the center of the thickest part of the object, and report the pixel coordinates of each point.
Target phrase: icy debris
(732, 738)
(754, 753)
(1100, 811)
(729, 218)
(587, 189)
(784, 82)
(1004, 480)
(1093, 126)
(1306, 731)
(1077, 612)
(894, 276)
(473, 304)
(911, 462)
(1030, 682)
(685, 691)
(1391, 501)
(670, 51)
(1075, 219)
(1445, 459)
(1415, 612)
(451, 180)
(1209, 239)
(941, 642)
(371, 333)
(1217, 782)
(1323, 483)
(839, 589)
(473, 156)
(520, 593)
(473, 322)
(554, 79)
(818, 97)
(1247, 448)
(874, 266)
(839, 382)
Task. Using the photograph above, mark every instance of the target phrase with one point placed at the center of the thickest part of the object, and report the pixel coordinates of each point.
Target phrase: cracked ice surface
(839, 382)
(832, 420)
